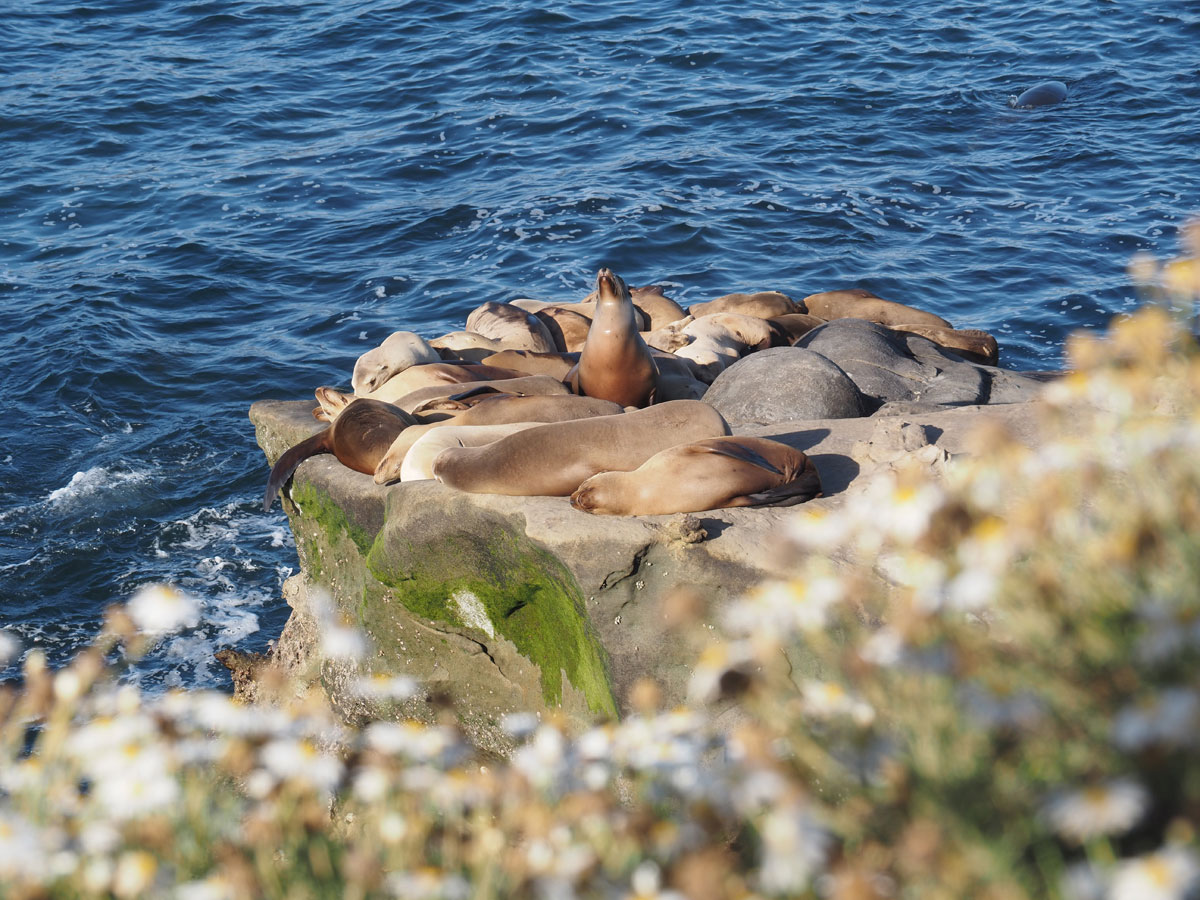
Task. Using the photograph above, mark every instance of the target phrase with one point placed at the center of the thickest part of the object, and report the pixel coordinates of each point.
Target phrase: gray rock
(889, 366)
(784, 384)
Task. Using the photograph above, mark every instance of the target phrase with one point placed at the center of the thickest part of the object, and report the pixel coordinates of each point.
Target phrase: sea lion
(359, 438)
(856, 303)
(762, 304)
(714, 346)
(525, 384)
(670, 337)
(969, 343)
(428, 374)
(654, 307)
(418, 461)
(753, 333)
(568, 329)
(399, 351)
(553, 460)
(515, 328)
(1047, 93)
(794, 326)
(496, 409)
(465, 345)
(615, 363)
(709, 474)
(553, 364)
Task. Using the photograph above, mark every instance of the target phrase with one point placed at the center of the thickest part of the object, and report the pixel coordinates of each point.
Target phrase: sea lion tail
(286, 464)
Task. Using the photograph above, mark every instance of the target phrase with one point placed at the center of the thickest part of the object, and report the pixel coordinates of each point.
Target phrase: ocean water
(208, 203)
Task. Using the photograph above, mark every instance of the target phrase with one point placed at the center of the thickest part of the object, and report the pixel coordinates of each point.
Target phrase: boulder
(500, 604)
(890, 366)
(785, 384)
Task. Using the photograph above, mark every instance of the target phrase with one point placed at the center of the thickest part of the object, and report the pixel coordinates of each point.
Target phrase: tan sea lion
(425, 375)
(515, 328)
(399, 351)
(553, 460)
(465, 345)
(496, 409)
(554, 364)
(710, 474)
(568, 329)
(794, 326)
(654, 307)
(359, 438)
(526, 384)
(754, 333)
(670, 337)
(856, 303)
(418, 461)
(615, 363)
(762, 304)
(969, 343)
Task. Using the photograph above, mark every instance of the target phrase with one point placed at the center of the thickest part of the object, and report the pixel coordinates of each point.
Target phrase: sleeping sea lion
(465, 345)
(615, 363)
(358, 438)
(513, 327)
(708, 474)
(969, 343)
(496, 409)
(418, 461)
(553, 460)
(856, 303)
(569, 329)
(556, 365)
(762, 304)
(399, 351)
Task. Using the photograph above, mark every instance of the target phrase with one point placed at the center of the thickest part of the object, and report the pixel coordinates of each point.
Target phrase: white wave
(95, 480)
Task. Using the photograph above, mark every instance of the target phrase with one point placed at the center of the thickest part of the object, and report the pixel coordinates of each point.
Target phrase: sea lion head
(593, 495)
(611, 288)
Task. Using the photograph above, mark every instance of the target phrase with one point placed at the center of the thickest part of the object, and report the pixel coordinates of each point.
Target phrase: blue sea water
(207, 203)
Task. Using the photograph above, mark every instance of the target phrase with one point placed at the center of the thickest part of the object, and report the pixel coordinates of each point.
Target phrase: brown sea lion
(709, 474)
(513, 327)
(670, 337)
(418, 461)
(615, 363)
(654, 307)
(969, 343)
(762, 304)
(856, 303)
(553, 364)
(569, 329)
(465, 345)
(399, 351)
(794, 326)
(497, 409)
(553, 460)
(359, 438)
(525, 385)
(415, 378)
(753, 332)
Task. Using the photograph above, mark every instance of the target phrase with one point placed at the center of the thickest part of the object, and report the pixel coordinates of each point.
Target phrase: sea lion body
(970, 343)
(359, 438)
(496, 409)
(553, 460)
(465, 345)
(856, 303)
(515, 328)
(399, 351)
(615, 363)
(418, 461)
(761, 304)
(794, 326)
(556, 365)
(568, 329)
(670, 337)
(525, 384)
(709, 474)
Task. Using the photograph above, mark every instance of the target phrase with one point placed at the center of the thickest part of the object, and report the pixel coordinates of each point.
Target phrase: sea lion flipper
(805, 486)
(287, 463)
(738, 451)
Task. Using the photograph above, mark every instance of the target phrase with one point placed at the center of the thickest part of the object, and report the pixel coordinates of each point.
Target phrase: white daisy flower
(1167, 874)
(1112, 807)
(162, 609)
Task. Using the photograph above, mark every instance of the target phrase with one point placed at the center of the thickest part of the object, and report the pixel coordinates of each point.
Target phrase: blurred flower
(1085, 881)
(22, 854)
(301, 761)
(163, 609)
(520, 724)
(646, 882)
(343, 643)
(1166, 718)
(134, 873)
(885, 647)
(723, 670)
(1111, 807)
(794, 850)
(1168, 874)
(1001, 707)
(383, 687)
(783, 607)
(10, 647)
(829, 700)
(428, 884)
(412, 739)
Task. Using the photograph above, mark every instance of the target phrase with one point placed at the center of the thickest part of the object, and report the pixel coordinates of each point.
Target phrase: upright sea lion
(399, 351)
(856, 303)
(569, 329)
(418, 461)
(615, 363)
(707, 474)
(359, 438)
(763, 304)
(513, 327)
(553, 460)
(554, 364)
(496, 409)
(654, 307)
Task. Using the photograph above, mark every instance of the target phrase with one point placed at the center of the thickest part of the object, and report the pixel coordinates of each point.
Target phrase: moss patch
(321, 509)
(530, 597)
